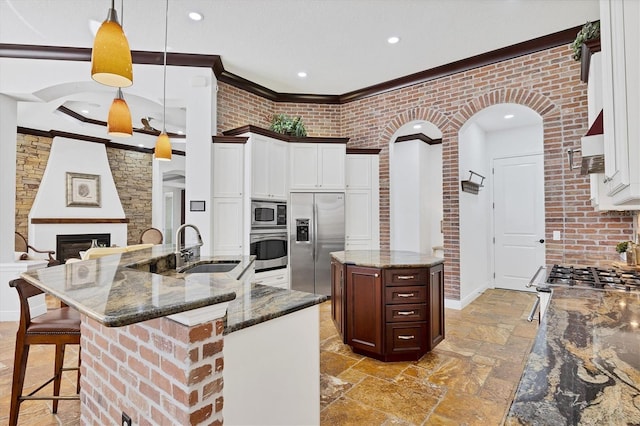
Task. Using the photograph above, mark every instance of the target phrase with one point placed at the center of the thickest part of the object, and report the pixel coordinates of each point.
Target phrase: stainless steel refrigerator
(316, 229)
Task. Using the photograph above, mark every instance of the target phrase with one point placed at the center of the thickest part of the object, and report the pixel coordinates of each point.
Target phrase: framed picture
(81, 274)
(83, 190)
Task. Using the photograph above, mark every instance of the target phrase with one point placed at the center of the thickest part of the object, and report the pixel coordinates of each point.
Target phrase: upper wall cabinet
(269, 160)
(228, 169)
(620, 44)
(317, 167)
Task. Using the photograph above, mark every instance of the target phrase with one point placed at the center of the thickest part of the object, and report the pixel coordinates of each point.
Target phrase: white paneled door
(518, 191)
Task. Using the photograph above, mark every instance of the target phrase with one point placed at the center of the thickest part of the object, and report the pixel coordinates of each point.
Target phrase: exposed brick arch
(553, 157)
(431, 115)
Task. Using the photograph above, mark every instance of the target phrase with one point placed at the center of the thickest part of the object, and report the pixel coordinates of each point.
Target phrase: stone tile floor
(469, 379)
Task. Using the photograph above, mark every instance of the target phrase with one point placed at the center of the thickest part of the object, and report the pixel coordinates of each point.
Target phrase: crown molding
(285, 138)
(107, 142)
(215, 63)
(418, 137)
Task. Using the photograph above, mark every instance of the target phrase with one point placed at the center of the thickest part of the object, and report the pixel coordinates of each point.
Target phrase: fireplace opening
(70, 246)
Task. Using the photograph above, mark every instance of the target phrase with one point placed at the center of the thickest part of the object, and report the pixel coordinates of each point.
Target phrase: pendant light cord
(164, 93)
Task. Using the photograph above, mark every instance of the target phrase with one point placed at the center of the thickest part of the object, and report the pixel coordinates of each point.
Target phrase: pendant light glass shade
(163, 144)
(111, 63)
(119, 121)
(163, 147)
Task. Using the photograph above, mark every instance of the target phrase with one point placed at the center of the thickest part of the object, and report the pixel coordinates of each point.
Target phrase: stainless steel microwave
(268, 214)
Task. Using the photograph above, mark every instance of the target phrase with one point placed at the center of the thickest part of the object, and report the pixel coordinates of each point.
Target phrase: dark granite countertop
(386, 258)
(127, 288)
(584, 368)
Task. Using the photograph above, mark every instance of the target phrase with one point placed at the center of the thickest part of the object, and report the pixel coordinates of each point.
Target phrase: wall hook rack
(472, 185)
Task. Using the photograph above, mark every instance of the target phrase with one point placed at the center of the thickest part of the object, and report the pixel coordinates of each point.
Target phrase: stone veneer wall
(131, 171)
(548, 82)
(157, 371)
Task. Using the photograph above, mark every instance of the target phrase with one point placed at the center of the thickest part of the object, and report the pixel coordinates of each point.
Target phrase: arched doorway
(415, 188)
(501, 226)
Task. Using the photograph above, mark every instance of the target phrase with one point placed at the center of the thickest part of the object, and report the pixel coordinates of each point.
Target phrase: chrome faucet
(183, 254)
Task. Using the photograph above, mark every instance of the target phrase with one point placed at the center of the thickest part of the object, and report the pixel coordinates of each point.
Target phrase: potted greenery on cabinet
(287, 125)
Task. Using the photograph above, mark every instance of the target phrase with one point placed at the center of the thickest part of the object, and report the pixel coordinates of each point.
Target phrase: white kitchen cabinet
(275, 278)
(317, 167)
(228, 169)
(228, 229)
(620, 44)
(362, 225)
(269, 162)
(228, 198)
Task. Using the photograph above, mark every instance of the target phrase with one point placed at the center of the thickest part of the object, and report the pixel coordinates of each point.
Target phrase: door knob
(541, 240)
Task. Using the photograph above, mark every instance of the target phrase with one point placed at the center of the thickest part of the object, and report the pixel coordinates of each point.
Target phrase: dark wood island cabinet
(388, 305)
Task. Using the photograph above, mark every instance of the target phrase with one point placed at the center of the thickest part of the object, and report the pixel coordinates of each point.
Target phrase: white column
(8, 141)
(201, 125)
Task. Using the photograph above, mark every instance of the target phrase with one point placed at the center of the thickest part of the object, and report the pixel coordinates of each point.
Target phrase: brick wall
(131, 172)
(157, 371)
(547, 82)
(238, 108)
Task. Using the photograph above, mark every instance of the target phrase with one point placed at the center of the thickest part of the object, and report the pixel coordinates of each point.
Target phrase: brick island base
(156, 371)
(162, 372)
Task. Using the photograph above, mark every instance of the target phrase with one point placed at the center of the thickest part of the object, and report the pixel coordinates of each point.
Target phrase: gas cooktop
(594, 277)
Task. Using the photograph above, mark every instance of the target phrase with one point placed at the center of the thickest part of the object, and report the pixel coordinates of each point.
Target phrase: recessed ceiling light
(141, 145)
(195, 16)
(417, 126)
(85, 111)
(393, 40)
(302, 74)
(180, 132)
(508, 116)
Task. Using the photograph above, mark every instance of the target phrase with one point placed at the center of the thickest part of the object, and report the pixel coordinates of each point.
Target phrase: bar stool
(57, 327)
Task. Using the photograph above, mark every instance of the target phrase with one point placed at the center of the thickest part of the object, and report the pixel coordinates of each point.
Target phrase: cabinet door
(228, 169)
(358, 215)
(277, 175)
(436, 305)
(259, 168)
(364, 316)
(337, 301)
(304, 166)
(358, 171)
(331, 166)
(227, 226)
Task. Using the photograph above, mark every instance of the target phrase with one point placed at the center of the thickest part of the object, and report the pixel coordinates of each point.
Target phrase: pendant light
(163, 144)
(119, 121)
(111, 57)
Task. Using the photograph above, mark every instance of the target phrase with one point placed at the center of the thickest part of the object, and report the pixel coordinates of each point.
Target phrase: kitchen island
(171, 347)
(584, 368)
(388, 305)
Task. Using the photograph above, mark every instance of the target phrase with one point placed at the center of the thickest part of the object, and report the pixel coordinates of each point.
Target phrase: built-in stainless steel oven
(269, 246)
(268, 214)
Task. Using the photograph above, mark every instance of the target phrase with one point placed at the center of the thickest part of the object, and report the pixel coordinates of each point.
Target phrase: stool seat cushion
(63, 320)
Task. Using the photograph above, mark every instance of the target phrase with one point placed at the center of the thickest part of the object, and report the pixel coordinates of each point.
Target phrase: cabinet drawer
(405, 312)
(405, 276)
(406, 337)
(407, 294)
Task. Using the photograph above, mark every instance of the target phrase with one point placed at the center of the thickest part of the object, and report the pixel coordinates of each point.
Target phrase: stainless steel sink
(209, 268)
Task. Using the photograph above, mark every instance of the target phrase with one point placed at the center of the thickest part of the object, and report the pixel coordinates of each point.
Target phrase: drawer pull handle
(406, 312)
(406, 294)
(406, 277)
(376, 275)
(407, 337)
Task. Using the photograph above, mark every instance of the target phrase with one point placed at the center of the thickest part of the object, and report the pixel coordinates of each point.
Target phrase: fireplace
(68, 246)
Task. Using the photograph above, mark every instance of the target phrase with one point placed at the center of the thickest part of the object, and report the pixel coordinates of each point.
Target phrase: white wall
(433, 203)
(8, 135)
(475, 216)
(405, 184)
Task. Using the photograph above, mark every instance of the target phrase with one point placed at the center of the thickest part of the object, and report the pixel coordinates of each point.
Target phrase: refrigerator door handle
(315, 232)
